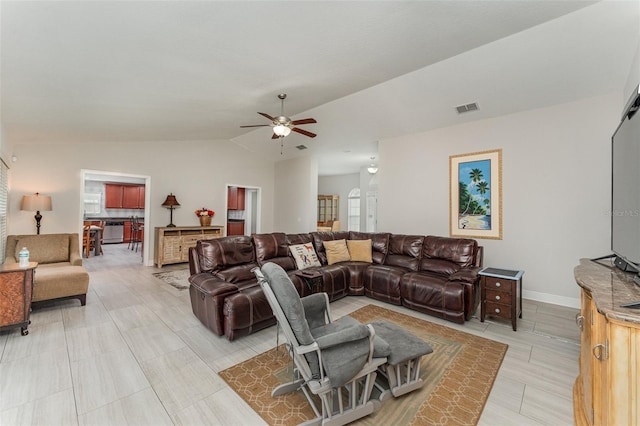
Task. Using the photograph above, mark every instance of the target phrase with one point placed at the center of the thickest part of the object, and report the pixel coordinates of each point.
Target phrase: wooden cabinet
(118, 196)
(172, 243)
(501, 295)
(133, 196)
(113, 196)
(607, 392)
(235, 228)
(328, 207)
(235, 198)
(16, 289)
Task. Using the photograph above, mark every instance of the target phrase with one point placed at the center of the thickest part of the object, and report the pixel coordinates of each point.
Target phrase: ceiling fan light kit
(282, 125)
(281, 130)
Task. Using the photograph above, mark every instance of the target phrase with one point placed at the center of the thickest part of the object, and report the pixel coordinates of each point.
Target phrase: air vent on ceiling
(467, 108)
(301, 147)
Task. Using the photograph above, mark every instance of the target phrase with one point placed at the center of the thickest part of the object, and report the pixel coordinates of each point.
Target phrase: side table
(313, 280)
(16, 289)
(501, 294)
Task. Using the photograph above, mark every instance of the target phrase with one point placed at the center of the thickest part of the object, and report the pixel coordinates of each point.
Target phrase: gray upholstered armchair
(332, 359)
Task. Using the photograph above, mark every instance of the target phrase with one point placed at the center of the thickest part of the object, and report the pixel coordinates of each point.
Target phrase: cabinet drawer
(492, 283)
(498, 309)
(191, 240)
(498, 296)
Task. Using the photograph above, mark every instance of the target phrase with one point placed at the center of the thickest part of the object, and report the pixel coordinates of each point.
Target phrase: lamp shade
(36, 202)
(281, 130)
(170, 201)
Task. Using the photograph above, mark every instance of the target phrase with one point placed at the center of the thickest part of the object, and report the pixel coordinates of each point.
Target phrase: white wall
(634, 75)
(296, 189)
(339, 185)
(556, 169)
(196, 172)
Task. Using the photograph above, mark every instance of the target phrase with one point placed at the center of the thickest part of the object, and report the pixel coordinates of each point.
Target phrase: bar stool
(135, 233)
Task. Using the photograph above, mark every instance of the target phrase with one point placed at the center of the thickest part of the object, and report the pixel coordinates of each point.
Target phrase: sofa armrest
(467, 275)
(75, 259)
(209, 284)
(10, 259)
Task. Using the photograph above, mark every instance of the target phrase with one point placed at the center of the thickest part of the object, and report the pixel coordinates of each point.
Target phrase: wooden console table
(16, 289)
(172, 243)
(607, 391)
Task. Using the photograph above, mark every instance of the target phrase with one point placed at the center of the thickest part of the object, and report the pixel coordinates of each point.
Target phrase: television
(625, 188)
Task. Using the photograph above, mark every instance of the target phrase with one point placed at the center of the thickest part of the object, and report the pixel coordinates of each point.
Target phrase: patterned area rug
(178, 278)
(458, 377)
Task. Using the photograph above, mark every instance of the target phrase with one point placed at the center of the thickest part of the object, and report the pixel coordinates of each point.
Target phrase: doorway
(243, 209)
(94, 206)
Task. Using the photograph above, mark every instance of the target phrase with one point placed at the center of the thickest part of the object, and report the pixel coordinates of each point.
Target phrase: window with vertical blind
(4, 189)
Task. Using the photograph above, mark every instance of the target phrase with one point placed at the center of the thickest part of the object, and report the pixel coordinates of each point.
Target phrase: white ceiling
(89, 71)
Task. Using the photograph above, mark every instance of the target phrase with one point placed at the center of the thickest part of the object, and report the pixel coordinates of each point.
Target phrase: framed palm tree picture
(476, 195)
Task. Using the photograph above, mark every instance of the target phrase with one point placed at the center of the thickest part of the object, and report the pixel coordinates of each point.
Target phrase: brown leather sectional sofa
(434, 275)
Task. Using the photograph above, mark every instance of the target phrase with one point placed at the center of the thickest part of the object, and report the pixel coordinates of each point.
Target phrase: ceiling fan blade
(267, 116)
(304, 121)
(274, 136)
(257, 125)
(304, 132)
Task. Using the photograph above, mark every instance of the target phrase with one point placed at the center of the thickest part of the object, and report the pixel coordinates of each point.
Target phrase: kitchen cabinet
(118, 196)
(235, 198)
(235, 227)
(113, 196)
(172, 243)
(133, 196)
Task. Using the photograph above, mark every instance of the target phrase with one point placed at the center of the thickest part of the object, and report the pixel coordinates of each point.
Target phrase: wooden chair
(88, 243)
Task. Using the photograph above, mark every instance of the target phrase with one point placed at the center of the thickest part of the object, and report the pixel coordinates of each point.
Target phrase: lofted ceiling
(95, 71)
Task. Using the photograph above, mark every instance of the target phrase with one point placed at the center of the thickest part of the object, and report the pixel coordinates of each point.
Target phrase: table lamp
(171, 203)
(38, 203)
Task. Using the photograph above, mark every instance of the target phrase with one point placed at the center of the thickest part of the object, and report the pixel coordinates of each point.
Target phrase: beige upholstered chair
(60, 274)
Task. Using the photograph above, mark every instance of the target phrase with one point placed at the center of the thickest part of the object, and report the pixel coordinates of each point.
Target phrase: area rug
(178, 278)
(458, 378)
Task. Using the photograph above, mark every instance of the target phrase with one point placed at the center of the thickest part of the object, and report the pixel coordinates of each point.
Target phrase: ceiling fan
(283, 125)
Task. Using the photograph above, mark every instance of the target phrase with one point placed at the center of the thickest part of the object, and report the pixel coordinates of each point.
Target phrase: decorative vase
(205, 220)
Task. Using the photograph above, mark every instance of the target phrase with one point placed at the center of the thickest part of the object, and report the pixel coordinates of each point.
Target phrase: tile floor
(136, 355)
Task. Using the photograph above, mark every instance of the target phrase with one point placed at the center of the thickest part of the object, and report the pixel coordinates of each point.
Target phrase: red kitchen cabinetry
(235, 198)
(118, 196)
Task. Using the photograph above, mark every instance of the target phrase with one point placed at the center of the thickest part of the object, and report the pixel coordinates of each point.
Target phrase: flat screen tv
(625, 189)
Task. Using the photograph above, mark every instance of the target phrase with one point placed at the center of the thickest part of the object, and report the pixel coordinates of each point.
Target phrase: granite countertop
(609, 287)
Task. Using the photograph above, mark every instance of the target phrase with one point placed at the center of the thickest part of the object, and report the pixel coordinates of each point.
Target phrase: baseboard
(552, 298)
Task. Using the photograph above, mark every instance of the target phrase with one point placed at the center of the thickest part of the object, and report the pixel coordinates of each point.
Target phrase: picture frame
(475, 195)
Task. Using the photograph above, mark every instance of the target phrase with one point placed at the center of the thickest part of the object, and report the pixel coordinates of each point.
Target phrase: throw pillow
(336, 251)
(304, 255)
(360, 250)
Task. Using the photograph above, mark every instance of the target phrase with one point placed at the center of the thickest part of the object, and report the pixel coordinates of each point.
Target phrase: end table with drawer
(501, 294)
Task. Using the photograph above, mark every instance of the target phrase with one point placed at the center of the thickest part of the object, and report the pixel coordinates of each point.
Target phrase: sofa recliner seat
(433, 275)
